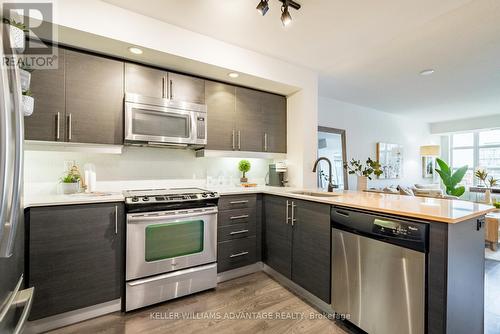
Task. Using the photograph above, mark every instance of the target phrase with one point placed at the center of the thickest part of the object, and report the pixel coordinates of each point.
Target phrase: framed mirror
(332, 145)
(390, 157)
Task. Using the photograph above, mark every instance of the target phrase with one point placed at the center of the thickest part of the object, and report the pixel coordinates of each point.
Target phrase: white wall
(138, 167)
(470, 124)
(365, 127)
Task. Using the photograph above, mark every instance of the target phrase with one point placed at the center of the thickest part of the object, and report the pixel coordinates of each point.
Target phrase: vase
(244, 180)
(362, 183)
(70, 188)
(487, 196)
(16, 38)
(28, 105)
(25, 79)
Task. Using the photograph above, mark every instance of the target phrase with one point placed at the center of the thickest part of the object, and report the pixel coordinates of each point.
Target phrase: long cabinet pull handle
(163, 88)
(238, 254)
(116, 219)
(239, 202)
(239, 217)
(287, 213)
(58, 126)
(265, 142)
(293, 213)
(171, 90)
(233, 135)
(239, 140)
(70, 128)
(238, 232)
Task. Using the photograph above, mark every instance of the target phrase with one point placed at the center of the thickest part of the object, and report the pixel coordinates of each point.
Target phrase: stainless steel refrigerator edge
(15, 303)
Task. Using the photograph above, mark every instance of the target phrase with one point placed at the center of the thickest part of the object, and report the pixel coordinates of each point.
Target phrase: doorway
(332, 145)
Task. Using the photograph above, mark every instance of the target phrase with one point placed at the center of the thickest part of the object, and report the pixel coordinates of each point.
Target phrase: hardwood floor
(255, 295)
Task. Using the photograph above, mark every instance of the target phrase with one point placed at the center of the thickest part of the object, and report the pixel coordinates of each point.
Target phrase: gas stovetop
(176, 195)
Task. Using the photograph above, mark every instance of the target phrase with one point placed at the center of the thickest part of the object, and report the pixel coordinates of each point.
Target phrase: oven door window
(160, 124)
(166, 241)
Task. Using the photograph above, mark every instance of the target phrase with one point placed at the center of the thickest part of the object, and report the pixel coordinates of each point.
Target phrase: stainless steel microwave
(161, 122)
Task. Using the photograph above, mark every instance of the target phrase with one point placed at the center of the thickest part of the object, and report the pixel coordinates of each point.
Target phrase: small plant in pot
(364, 171)
(71, 181)
(244, 167)
(28, 103)
(16, 33)
(452, 179)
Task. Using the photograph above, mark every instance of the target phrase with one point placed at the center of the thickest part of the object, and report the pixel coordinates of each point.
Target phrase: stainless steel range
(171, 244)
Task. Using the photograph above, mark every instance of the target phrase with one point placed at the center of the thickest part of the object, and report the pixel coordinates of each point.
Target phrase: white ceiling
(367, 52)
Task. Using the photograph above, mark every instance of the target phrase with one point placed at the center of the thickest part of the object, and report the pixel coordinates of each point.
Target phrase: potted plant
(364, 171)
(244, 167)
(28, 103)
(482, 175)
(451, 179)
(71, 181)
(16, 33)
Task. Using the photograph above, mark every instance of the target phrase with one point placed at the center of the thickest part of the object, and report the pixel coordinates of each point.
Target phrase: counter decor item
(364, 171)
(452, 179)
(71, 181)
(244, 167)
(16, 33)
(25, 73)
(28, 103)
(89, 178)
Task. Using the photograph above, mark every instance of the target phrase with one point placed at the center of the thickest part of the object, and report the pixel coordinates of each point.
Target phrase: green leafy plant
(72, 176)
(496, 204)
(16, 24)
(27, 93)
(482, 175)
(451, 179)
(371, 167)
(244, 167)
(492, 181)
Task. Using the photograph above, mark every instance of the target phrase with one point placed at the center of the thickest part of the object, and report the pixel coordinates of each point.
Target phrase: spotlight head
(286, 18)
(263, 7)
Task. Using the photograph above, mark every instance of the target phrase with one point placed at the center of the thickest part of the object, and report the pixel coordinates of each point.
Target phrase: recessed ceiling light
(233, 75)
(428, 71)
(135, 50)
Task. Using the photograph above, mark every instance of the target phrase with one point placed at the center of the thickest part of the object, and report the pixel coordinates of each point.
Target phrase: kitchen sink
(315, 193)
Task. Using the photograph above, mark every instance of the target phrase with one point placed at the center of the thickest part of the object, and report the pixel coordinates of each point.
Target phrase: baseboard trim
(298, 290)
(72, 317)
(238, 272)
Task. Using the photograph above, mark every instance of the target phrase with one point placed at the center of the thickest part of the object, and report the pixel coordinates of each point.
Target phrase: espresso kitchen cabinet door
(277, 235)
(145, 81)
(94, 99)
(47, 123)
(221, 116)
(249, 134)
(311, 248)
(75, 256)
(274, 123)
(185, 88)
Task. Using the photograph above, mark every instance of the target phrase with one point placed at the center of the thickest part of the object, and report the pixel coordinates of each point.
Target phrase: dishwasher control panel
(401, 230)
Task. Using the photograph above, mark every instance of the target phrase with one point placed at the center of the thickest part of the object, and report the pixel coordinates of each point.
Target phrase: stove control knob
(145, 199)
(135, 199)
(212, 195)
(204, 195)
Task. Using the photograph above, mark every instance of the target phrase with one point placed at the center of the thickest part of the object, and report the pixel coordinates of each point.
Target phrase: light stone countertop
(430, 209)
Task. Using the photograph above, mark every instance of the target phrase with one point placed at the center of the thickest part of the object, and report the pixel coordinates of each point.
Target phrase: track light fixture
(263, 7)
(286, 18)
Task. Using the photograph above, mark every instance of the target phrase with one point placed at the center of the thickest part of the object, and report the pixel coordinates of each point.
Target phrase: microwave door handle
(7, 245)
(4, 144)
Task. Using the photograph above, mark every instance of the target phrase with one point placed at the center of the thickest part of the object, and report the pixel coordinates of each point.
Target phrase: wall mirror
(332, 145)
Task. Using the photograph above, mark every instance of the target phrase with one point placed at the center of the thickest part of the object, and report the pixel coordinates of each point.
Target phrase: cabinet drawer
(235, 231)
(237, 202)
(236, 253)
(239, 216)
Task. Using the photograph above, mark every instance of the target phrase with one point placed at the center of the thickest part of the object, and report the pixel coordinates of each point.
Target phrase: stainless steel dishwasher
(378, 271)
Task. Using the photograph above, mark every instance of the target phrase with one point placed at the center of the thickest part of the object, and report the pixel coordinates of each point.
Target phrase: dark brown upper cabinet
(94, 99)
(220, 99)
(249, 120)
(274, 122)
(186, 88)
(47, 122)
(145, 81)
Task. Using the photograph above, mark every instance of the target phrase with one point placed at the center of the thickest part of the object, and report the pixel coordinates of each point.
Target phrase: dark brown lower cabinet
(297, 242)
(75, 256)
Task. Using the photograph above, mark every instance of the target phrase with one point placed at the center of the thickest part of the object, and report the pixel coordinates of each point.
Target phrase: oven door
(161, 242)
(156, 124)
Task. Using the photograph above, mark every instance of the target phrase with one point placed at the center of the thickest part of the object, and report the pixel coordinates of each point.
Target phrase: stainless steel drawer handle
(58, 126)
(238, 232)
(239, 217)
(238, 202)
(238, 255)
(116, 219)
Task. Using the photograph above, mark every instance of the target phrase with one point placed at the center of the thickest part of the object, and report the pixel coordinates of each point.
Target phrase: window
(477, 150)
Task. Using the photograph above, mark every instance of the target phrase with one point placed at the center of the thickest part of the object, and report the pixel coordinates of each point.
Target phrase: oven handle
(164, 217)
